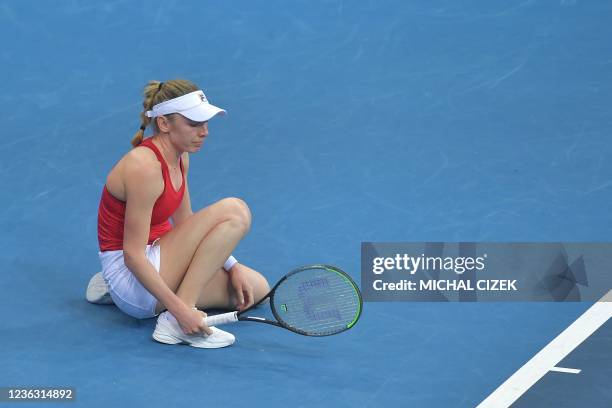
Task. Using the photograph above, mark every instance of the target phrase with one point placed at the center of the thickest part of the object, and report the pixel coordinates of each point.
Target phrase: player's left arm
(184, 211)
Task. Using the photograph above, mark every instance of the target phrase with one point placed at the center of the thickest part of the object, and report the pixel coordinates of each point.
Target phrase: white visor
(193, 106)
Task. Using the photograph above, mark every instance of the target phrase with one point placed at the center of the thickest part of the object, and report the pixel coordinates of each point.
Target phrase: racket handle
(223, 318)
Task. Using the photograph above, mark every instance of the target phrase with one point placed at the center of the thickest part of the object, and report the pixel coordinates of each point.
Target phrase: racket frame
(281, 323)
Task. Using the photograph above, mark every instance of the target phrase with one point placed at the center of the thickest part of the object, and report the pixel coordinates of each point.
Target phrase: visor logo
(203, 98)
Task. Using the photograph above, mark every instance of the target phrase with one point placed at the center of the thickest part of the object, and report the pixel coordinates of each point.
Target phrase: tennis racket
(314, 300)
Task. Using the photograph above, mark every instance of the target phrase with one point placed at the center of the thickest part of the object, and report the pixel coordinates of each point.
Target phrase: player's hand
(192, 322)
(242, 288)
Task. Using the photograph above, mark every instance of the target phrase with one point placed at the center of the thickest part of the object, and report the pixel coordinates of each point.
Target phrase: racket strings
(318, 301)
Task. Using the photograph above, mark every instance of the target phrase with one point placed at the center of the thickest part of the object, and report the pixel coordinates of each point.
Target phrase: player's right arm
(143, 186)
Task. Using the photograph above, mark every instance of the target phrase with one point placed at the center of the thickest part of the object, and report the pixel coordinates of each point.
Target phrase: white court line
(526, 376)
(566, 370)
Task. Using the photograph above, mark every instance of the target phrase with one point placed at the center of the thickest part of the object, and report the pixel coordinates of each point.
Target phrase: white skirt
(125, 289)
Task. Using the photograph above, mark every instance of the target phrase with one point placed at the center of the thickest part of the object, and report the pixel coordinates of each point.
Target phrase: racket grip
(223, 318)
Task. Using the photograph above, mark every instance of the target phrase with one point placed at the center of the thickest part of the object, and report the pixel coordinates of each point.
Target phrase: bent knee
(235, 210)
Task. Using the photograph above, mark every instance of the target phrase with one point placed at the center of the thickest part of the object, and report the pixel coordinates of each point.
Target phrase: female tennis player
(152, 266)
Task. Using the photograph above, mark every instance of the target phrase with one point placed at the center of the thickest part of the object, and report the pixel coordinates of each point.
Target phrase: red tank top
(111, 212)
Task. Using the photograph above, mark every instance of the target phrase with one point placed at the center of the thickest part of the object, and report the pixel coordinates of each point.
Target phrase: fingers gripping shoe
(168, 331)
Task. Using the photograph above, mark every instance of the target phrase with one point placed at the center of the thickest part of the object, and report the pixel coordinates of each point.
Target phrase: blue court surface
(348, 122)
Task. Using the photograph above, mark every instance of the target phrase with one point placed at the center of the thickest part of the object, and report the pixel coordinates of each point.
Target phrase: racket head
(316, 300)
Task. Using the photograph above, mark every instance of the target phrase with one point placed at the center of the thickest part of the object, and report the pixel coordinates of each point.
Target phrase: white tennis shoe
(168, 331)
(97, 291)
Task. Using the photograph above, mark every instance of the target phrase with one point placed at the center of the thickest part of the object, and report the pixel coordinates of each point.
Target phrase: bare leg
(218, 294)
(208, 259)
(200, 245)
(192, 255)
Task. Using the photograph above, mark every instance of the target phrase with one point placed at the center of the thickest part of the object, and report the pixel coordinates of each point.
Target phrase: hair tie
(143, 127)
(153, 97)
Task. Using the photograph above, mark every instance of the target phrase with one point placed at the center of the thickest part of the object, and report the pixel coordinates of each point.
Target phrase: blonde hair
(157, 92)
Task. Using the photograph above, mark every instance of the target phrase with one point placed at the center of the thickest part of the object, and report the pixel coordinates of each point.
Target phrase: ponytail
(150, 92)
